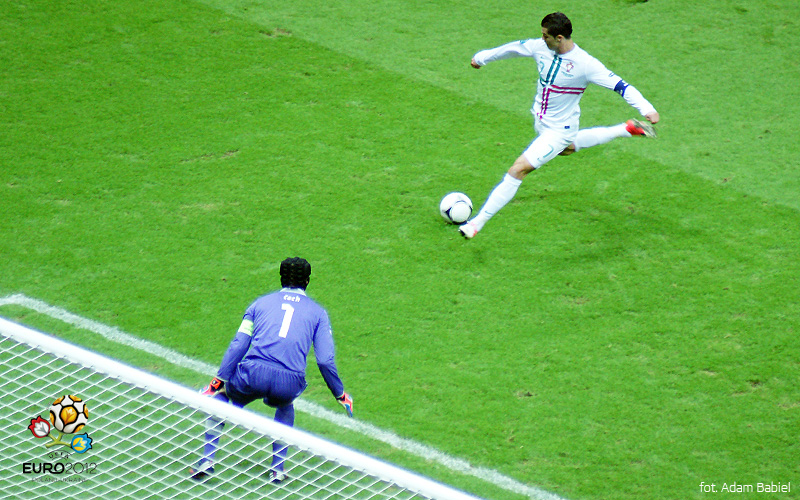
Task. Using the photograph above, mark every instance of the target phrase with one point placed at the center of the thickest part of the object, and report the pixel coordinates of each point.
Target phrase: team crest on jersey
(569, 66)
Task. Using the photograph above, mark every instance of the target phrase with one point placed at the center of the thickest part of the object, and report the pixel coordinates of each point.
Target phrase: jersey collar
(294, 290)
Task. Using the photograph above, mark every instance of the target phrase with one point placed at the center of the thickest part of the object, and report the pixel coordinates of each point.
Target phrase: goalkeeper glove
(346, 401)
(216, 385)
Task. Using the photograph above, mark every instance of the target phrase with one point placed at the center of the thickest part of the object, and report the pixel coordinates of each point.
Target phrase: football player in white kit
(565, 70)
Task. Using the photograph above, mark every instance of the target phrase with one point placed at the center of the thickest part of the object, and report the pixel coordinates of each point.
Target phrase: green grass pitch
(626, 328)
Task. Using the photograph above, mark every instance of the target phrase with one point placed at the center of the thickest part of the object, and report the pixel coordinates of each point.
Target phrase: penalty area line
(418, 449)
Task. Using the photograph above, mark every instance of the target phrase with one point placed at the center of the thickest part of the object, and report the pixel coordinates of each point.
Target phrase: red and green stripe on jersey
(549, 86)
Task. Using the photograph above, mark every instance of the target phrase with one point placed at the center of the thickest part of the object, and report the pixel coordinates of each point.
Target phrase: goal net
(142, 433)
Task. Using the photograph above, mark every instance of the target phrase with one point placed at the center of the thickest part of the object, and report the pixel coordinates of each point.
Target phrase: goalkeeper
(267, 360)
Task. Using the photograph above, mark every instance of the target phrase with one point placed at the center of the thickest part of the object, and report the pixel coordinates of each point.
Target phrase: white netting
(146, 432)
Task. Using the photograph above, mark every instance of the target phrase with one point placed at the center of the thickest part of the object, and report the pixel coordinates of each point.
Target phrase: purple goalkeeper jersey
(279, 329)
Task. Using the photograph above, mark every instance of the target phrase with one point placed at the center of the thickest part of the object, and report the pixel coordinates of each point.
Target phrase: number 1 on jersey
(287, 319)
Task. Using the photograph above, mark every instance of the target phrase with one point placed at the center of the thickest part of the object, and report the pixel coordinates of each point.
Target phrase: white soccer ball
(456, 208)
(69, 414)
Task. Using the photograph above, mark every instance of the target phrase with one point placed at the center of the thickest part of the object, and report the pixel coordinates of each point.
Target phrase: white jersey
(562, 80)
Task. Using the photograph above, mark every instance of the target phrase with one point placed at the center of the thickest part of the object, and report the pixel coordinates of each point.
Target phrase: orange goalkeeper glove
(216, 385)
(346, 401)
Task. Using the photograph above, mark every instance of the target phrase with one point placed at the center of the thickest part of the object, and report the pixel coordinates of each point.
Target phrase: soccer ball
(456, 208)
(68, 414)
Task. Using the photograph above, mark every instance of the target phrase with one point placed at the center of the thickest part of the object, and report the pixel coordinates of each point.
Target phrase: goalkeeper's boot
(468, 230)
(204, 469)
(277, 476)
(639, 127)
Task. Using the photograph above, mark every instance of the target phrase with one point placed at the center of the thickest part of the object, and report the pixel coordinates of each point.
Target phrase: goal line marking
(421, 450)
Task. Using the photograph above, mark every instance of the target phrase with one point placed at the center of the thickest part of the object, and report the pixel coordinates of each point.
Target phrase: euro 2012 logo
(69, 415)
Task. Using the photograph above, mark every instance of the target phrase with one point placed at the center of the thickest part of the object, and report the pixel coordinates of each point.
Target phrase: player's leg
(280, 389)
(595, 136)
(543, 149)
(284, 415)
(214, 428)
(498, 197)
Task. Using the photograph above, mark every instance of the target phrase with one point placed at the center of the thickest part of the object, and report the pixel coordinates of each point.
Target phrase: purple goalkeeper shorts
(259, 380)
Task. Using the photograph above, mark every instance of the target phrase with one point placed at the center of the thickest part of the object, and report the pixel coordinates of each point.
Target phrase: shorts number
(287, 319)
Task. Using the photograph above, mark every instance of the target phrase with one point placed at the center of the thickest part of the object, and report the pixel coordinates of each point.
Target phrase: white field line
(424, 451)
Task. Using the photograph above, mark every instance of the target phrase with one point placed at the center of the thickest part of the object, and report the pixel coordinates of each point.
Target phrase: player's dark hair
(295, 273)
(556, 24)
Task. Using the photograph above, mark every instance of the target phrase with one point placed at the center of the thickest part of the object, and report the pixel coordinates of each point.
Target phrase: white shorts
(549, 142)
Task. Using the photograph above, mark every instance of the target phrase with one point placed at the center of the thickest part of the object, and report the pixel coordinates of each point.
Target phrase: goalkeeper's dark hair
(295, 273)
